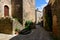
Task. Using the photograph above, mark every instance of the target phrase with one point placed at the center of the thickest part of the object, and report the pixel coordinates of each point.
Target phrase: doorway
(6, 10)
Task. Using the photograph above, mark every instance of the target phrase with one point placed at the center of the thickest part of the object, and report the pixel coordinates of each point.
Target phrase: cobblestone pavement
(37, 34)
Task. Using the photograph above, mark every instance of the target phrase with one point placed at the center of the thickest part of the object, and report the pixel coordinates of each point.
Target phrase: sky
(40, 4)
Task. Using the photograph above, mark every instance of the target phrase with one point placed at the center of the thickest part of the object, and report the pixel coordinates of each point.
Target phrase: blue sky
(40, 4)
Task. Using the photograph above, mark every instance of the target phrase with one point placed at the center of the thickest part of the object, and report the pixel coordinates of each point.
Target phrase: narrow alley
(37, 34)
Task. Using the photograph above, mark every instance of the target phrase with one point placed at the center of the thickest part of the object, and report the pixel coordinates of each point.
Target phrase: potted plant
(16, 30)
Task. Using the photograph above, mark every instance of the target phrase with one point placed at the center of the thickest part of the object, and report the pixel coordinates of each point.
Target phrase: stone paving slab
(6, 36)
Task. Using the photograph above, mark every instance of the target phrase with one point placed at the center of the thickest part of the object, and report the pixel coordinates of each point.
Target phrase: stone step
(16, 24)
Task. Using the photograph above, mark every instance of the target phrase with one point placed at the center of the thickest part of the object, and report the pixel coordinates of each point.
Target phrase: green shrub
(16, 29)
(28, 25)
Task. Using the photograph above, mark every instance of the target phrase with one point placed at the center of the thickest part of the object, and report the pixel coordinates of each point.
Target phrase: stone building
(52, 17)
(38, 16)
(5, 6)
(25, 9)
(22, 10)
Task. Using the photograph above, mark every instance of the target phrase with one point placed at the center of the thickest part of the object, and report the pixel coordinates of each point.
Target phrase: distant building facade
(39, 15)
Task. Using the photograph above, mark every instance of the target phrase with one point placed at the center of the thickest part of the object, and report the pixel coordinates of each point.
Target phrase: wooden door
(6, 11)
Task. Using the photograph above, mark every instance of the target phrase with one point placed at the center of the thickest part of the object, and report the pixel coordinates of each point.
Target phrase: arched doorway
(6, 10)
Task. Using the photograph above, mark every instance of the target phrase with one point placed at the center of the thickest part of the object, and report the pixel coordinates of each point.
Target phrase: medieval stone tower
(22, 10)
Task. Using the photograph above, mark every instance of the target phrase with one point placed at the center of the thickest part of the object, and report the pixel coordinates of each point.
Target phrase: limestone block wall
(17, 10)
(28, 10)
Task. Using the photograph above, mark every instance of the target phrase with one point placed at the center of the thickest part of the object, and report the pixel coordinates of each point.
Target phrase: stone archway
(6, 10)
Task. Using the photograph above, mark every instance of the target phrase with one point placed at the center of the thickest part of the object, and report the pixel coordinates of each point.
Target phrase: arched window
(6, 10)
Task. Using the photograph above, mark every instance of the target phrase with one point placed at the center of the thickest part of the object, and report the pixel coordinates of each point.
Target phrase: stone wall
(56, 14)
(6, 25)
(48, 17)
(17, 10)
(29, 10)
(23, 10)
(55, 8)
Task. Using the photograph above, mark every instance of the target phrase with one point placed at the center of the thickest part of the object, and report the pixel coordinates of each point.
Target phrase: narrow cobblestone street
(37, 34)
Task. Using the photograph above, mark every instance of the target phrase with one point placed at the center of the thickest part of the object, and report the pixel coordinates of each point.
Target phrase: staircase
(17, 24)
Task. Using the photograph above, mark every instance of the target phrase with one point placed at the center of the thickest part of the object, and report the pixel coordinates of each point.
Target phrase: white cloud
(41, 7)
(47, 1)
